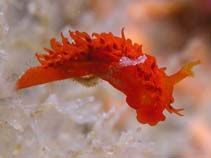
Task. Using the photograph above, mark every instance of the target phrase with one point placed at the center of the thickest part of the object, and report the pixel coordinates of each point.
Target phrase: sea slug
(116, 60)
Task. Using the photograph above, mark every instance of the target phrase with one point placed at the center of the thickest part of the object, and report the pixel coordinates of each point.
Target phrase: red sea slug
(116, 60)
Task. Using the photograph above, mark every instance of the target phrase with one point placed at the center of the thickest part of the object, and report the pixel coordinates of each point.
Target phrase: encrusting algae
(116, 60)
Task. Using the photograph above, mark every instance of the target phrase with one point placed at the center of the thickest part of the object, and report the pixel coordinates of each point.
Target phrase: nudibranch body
(114, 59)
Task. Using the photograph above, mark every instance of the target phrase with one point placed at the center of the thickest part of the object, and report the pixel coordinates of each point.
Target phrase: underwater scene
(105, 79)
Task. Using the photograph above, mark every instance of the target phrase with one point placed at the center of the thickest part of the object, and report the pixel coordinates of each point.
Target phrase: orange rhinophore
(116, 60)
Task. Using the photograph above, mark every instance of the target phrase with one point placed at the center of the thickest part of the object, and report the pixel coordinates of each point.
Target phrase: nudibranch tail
(184, 72)
(41, 74)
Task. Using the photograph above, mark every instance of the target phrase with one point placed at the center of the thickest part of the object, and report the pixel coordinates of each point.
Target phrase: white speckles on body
(125, 61)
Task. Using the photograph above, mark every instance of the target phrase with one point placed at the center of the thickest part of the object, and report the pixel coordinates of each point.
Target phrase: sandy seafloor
(68, 120)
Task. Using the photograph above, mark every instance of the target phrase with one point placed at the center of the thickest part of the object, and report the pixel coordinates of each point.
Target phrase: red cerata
(116, 60)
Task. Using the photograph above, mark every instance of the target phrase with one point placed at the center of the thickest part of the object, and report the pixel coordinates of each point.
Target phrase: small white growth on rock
(125, 61)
